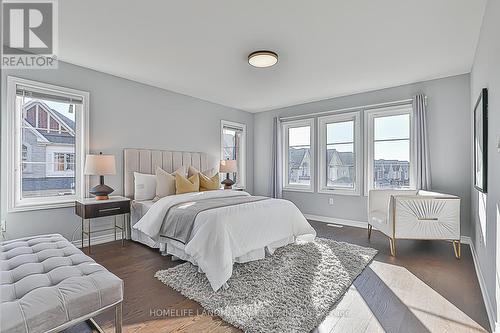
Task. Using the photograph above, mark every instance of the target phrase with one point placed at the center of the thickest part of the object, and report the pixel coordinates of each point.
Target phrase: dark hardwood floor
(423, 289)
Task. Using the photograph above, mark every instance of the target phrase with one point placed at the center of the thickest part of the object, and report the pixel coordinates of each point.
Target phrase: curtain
(277, 171)
(422, 143)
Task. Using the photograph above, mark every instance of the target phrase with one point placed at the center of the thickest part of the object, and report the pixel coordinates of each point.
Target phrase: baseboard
(334, 220)
(358, 224)
(94, 240)
(495, 327)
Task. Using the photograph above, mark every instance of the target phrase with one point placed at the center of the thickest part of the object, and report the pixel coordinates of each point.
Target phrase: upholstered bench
(47, 285)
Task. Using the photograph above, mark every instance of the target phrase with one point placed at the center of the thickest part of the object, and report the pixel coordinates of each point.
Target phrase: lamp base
(228, 184)
(101, 191)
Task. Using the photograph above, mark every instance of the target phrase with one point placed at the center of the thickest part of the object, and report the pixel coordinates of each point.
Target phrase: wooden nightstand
(90, 208)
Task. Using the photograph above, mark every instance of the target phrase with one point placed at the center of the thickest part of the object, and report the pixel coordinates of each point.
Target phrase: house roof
(59, 138)
(66, 120)
(346, 158)
(54, 137)
(296, 156)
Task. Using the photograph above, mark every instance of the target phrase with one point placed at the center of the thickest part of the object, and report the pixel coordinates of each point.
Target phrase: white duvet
(223, 234)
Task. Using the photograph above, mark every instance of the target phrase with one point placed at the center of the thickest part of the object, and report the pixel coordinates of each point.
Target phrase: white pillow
(145, 186)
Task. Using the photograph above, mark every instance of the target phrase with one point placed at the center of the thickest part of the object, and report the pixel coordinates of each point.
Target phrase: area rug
(291, 291)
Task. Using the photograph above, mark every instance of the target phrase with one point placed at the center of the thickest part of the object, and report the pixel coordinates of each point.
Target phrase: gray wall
(125, 114)
(449, 136)
(485, 230)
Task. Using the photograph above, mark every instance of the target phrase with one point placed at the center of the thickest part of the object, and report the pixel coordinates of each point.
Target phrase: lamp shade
(100, 165)
(228, 166)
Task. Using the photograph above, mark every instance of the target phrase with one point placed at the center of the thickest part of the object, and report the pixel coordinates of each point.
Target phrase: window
(64, 162)
(47, 142)
(339, 154)
(233, 147)
(298, 155)
(390, 151)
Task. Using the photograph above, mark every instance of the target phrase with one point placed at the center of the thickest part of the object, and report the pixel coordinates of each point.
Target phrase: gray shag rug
(291, 291)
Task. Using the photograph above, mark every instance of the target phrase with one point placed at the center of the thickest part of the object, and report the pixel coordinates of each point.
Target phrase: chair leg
(457, 248)
(118, 318)
(369, 231)
(392, 244)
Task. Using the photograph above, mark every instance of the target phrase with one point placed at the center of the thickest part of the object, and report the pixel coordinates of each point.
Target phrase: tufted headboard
(146, 161)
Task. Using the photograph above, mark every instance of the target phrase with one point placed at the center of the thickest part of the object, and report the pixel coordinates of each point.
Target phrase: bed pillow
(144, 186)
(182, 170)
(186, 185)
(209, 173)
(209, 183)
(165, 182)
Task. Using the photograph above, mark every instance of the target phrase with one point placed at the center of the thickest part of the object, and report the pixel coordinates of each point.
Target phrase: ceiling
(326, 48)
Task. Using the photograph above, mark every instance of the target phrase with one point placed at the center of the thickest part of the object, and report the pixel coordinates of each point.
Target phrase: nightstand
(90, 208)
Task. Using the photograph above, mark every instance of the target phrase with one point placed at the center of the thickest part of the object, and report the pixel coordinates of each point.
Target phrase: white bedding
(138, 210)
(224, 235)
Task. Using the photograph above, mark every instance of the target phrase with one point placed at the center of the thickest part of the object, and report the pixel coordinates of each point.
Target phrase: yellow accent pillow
(186, 185)
(209, 183)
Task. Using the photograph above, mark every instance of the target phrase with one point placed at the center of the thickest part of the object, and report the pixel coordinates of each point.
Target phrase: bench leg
(456, 248)
(118, 318)
(95, 325)
(392, 244)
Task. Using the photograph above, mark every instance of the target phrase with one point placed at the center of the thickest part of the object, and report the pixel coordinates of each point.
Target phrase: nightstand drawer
(102, 209)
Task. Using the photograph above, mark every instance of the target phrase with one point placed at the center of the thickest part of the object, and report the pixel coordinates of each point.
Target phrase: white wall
(449, 136)
(127, 114)
(485, 209)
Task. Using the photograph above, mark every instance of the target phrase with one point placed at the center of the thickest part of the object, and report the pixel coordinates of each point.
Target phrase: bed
(225, 226)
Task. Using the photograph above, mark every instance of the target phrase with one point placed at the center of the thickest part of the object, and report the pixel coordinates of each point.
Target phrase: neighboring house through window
(298, 155)
(48, 144)
(233, 147)
(340, 153)
(390, 148)
(378, 153)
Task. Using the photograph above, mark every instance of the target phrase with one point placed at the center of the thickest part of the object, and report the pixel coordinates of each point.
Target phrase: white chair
(411, 214)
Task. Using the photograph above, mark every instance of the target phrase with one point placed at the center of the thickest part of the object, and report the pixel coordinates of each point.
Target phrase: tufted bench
(47, 285)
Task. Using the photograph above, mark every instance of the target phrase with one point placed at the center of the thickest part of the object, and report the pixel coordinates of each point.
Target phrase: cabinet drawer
(102, 209)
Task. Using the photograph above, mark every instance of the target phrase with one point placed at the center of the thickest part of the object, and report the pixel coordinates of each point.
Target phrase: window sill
(42, 206)
(352, 193)
(295, 189)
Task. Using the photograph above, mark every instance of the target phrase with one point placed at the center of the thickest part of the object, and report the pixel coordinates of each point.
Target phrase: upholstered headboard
(146, 161)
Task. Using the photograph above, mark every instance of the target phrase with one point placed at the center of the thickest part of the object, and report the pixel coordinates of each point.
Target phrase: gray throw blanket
(179, 220)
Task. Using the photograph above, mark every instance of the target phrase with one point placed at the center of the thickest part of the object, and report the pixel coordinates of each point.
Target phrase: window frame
(370, 115)
(11, 140)
(285, 126)
(241, 176)
(358, 150)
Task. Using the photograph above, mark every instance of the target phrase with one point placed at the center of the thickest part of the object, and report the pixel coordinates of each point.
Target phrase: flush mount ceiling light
(262, 59)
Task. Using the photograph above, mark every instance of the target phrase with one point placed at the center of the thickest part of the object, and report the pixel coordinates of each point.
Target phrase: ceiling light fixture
(262, 59)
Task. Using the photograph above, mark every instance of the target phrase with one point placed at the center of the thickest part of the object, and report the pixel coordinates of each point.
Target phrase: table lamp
(228, 166)
(100, 165)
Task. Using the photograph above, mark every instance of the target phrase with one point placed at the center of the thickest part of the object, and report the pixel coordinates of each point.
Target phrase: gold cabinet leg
(457, 248)
(392, 244)
(369, 231)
